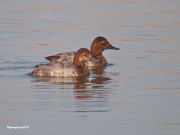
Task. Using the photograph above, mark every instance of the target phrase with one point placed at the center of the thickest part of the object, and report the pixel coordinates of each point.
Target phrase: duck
(65, 68)
(98, 45)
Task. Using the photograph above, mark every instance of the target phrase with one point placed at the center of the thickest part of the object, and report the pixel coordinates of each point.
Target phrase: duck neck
(97, 53)
(96, 50)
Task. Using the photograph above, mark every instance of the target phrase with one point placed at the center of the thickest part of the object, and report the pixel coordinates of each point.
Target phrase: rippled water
(137, 93)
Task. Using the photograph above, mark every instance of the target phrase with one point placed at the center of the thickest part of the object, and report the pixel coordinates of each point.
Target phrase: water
(137, 93)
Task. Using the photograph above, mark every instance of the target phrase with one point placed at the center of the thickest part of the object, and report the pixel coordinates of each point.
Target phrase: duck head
(100, 44)
(82, 56)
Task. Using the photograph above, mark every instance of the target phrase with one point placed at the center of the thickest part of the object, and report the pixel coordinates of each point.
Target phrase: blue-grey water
(138, 93)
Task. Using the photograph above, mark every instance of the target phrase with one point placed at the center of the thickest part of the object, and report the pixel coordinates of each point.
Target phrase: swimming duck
(98, 45)
(65, 68)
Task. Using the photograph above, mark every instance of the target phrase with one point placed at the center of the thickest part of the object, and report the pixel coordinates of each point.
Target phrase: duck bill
(94, 58)
(112, 47)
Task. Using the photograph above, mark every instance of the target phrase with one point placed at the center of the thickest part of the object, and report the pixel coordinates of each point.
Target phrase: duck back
(61, 57)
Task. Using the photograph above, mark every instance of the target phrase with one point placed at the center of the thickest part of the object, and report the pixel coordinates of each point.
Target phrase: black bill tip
(112, 47)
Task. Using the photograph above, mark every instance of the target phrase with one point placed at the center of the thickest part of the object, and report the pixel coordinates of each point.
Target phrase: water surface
(137, 93)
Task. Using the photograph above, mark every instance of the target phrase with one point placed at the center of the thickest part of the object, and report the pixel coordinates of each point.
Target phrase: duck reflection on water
(82, 82)
(85, 87)
(90, 93)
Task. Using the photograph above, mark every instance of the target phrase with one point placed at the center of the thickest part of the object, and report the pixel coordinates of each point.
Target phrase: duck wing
(66, 64)
(61, 57)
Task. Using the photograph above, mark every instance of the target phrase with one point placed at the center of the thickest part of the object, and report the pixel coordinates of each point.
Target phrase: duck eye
(104, 41)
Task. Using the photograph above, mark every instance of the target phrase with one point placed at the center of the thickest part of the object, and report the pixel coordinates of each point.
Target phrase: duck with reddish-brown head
(65, 69)
(98, 45)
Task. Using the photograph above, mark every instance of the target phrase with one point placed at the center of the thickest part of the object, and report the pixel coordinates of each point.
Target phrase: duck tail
(29, 74)
(48, 58)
